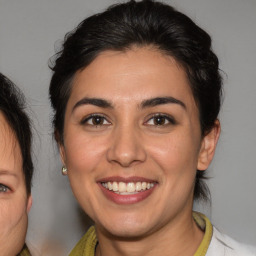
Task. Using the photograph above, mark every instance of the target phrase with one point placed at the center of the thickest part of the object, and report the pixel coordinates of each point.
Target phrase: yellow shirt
(24, 252)
(86, 246)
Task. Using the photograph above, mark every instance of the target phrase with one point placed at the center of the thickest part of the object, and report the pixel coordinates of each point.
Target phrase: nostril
(126, 153)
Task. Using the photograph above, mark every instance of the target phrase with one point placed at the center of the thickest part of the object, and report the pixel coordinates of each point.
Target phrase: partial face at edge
(14, 201)
(131, 121)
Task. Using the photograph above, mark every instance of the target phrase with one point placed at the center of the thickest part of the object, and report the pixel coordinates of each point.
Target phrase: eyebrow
(145, 104)
(161, 101)
(93, 101)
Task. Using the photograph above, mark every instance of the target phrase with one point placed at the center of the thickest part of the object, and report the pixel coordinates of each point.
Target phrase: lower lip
(126, 199)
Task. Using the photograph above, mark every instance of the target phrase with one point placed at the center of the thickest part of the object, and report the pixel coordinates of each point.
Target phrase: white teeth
(115, 186)
(122, 187)
(138, 186)
(143, 185)
(109, 185)
(130, 187)
(127, 188)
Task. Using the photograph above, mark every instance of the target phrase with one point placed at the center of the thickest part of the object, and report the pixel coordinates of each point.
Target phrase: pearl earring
(64, 170)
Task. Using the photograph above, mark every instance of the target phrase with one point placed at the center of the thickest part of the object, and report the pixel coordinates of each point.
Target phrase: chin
(125, 229)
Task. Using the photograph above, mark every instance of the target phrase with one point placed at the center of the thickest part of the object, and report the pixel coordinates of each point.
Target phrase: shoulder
(25, 251)
(223, 245)
(87, 244)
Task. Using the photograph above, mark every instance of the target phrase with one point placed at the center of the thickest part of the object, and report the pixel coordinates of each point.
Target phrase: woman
(136, 92)
(16, 170)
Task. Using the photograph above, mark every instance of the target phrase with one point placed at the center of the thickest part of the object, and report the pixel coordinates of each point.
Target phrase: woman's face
(14, 202)
(132, 142)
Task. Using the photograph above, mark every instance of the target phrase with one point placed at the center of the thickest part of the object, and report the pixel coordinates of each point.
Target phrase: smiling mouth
(129, 188)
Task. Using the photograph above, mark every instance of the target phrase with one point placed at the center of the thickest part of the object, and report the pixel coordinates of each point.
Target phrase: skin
(130, 142)
(14, 201)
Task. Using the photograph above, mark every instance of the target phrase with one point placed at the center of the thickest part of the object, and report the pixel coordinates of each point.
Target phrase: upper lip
(125, 179)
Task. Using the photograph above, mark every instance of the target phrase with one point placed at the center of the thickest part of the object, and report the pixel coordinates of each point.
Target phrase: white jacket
(223, 245)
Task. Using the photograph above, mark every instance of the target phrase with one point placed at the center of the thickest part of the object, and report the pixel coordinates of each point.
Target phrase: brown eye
(161, 120)
(95, 120)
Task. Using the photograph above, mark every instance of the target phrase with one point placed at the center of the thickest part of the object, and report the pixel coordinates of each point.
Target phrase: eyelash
(3, 188)
(86, 120)
(103, 120)
(169, 119)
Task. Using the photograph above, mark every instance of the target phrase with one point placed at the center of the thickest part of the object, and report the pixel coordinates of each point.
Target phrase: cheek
(83, 154)
(176, 157)
(13, 218)
(175, 154)
(84, 157)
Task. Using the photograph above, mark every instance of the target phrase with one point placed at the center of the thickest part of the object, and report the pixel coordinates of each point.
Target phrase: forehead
(132, 74)
(10, 154)
(6, 133)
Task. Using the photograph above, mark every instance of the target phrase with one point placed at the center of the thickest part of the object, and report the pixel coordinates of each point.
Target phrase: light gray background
(29, 30)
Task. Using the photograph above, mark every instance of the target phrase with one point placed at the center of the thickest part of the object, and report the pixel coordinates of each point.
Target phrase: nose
(126, 147)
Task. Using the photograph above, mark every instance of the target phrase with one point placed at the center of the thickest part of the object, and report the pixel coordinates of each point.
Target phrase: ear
(29, 203)
(62, 153)
(208, 146)
(61, 146)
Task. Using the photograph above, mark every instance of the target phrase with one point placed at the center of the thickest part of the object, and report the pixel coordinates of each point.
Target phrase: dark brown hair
(12, 105)
(140, 24)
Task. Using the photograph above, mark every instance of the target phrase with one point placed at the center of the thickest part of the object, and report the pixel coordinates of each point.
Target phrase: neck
(181, 236)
